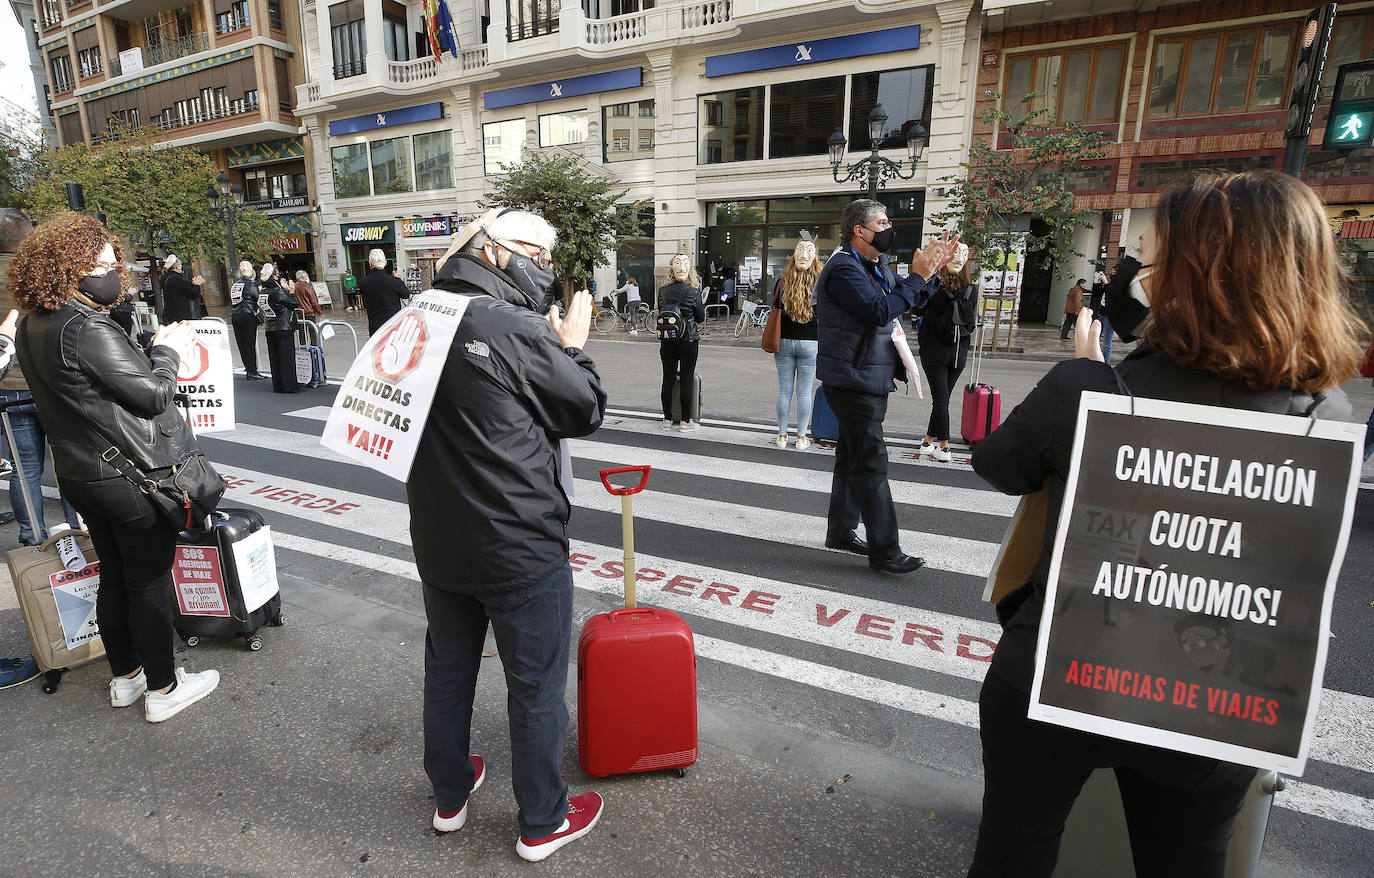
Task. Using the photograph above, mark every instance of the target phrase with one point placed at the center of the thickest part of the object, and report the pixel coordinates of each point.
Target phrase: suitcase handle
(623, 491)
(69, 532)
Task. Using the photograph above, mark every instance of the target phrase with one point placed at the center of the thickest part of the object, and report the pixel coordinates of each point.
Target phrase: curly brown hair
(55, 256)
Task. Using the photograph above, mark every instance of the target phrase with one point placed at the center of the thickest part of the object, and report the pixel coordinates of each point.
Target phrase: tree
(152, 196)
(580, 204)
(20, 150)
(1030, 177)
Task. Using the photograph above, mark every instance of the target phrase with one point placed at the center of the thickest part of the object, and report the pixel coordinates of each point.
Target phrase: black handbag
(184, 493)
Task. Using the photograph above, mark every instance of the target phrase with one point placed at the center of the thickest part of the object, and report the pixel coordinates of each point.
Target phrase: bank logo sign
(896, 39)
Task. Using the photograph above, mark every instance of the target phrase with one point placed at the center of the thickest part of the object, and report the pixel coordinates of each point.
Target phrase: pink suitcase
(982, 411)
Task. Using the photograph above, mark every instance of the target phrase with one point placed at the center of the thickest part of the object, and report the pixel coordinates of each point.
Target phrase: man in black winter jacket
(488, 516)
(180, 297)
(382, 292)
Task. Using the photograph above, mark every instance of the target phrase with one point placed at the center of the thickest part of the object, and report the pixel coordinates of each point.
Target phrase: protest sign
(381, 408)
(198, 581)
(74, 592)
(255, 561)
(206, 376)
(1189, 593)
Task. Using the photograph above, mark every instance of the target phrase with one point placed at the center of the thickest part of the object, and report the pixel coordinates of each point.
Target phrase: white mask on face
(804, 255)
(960, 258)
(682, 267)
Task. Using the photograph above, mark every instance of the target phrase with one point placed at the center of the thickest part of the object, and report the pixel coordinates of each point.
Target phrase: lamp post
(226, 202)
(874, 169)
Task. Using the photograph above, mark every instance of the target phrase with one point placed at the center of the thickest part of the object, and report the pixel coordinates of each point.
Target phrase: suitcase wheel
(50, 680)
(193, 640)
(255, 643)
(682, 772)
(277, 621)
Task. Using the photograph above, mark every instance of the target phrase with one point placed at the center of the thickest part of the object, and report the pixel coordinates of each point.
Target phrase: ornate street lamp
(874, 169)
(226, 203)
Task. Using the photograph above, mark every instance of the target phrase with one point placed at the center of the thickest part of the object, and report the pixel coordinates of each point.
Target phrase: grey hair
(245, 269)
(376, 259)
(859, 212)
(301, 275)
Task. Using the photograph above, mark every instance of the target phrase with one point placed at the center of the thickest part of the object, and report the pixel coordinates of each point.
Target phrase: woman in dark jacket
(281, 345)
(945, 332)
(247, 317)
(94, 389)
(1247, 311)
(681, 290)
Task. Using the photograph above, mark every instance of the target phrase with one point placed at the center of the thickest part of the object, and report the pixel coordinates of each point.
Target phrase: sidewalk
(307, 761)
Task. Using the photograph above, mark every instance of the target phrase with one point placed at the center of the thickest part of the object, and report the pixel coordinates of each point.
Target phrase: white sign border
(1111, 403)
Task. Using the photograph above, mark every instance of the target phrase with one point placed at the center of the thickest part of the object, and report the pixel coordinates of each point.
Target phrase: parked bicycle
(636, 319)
(753, 311)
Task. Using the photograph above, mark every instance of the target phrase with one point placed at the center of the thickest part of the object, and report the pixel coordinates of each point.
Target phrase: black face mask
(538, 283)
(882, 241)
(102, 290)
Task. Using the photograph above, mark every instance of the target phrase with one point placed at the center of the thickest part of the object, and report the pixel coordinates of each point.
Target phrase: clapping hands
(936, 255)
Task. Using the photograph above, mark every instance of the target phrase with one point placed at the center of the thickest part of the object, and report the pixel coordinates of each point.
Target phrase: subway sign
(369, 233)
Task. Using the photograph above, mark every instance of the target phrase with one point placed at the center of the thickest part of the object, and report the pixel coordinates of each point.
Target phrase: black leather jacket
(688, 300)
(282, 302)
(94, 388)
(248, 301)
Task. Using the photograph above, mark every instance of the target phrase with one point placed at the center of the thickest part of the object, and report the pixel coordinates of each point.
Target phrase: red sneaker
(454, 821)
(583, 812)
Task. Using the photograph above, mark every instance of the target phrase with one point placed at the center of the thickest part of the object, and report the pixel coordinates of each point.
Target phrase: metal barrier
(351, 331)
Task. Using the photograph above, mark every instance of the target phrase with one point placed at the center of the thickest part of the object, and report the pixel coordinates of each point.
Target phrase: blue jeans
(30, 442)
(533, 628)
(1106, 337)
(796, 362)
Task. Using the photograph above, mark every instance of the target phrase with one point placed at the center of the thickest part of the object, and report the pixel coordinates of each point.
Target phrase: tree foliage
(20, 150)
(152, 196)
(1028, 177)
(580, 204)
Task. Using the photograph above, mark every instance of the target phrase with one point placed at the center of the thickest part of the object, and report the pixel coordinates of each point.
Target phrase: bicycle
(636, 320)
(752, 312)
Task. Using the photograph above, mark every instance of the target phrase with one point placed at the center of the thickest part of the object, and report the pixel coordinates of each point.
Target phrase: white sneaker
(667, 424)
(926, 448)
(781, 441)
(126, 690)
(458, 819)
(803, 443)
(688, 426)
(189, 689)
(941, 454)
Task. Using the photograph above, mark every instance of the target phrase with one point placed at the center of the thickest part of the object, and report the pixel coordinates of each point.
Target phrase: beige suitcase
(58, 604)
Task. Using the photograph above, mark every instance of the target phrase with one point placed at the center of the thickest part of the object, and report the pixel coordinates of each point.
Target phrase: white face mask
(1137, 290)
(681, 268)
(804, 255)
(960, 258)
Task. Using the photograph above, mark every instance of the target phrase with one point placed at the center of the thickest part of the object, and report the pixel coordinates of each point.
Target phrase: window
(255, 186)
(126, 118)
(804, 115)
(235, 19)
(348, 39)
(434, 160)
(1235, 71)
(61, 73)
(395, 34)
(730, 126)
(274, 15)
(501, 144)
(563, 129)
(1349, 42)
(88, 61)
(1075, 85)
(531, 18)
(905, 96)
(628, 131)
(350, 170)
(391, 165)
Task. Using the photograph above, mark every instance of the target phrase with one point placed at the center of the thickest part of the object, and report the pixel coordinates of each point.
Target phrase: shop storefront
(423, 241)
(291, 248)
(361, 239)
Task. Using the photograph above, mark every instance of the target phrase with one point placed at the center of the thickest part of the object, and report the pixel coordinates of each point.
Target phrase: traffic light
(1350, 123)
(1307, 77)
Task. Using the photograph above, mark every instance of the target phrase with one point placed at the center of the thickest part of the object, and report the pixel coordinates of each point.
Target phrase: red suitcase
(636, 677)
(982, 402)
(636, 693)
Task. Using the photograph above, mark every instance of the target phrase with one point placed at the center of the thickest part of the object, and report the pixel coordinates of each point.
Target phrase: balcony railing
(706, 13)
(617, 29)
(473, 59)
(231, 22)
(51, 13)
(235, 107)
(308, 93)
(409, 72)
(160, 53)
(543, 19)
(61, 84)
(350, 68)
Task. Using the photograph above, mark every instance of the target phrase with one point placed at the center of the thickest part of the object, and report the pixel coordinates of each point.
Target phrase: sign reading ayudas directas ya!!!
(1189, 594)
(380, 410)
(206, 376)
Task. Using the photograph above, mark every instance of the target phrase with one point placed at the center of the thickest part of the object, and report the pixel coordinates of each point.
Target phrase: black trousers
(281, 355)
(943, 365)
(858, 488)
(246, 337)
(1069, 321)
(533, 629)
(1180, 809)
(134, 604)
(679, 364)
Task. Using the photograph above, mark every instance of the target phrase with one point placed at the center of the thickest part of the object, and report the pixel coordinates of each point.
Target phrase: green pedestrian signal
(1350, 123)
(1350, 129)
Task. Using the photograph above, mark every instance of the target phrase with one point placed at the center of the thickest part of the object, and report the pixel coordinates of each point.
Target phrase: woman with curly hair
(95, 389)
(1247, 309)
(796, 357)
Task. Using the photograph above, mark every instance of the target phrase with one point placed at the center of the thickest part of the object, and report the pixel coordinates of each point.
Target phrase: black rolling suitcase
(695, 413)
(225, 581)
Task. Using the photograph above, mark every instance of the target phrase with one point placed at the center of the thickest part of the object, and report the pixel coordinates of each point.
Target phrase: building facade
(217, 75)
(714, 115)
(1177, 88)
(27, 16)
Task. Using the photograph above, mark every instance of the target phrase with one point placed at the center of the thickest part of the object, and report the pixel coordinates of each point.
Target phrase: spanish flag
(439, 28)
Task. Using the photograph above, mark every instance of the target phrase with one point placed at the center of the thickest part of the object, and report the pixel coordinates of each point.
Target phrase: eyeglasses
(541, 255)
(103, 268)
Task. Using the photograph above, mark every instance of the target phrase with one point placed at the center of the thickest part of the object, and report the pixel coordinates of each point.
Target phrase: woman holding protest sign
(1247, 311)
